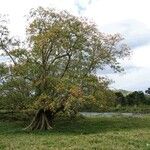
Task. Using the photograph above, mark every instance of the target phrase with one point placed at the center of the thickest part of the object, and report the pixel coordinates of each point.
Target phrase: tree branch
(58, 57)
(67, 65)
(4, 48)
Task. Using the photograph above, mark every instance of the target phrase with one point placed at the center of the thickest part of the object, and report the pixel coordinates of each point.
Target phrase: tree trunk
(41, 121)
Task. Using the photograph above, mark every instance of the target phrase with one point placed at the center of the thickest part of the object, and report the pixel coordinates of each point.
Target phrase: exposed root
(40, 122)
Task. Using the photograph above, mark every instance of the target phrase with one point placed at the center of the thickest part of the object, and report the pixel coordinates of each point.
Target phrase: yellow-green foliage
(56, 67)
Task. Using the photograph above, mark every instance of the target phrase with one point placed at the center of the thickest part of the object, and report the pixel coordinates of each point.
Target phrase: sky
(130, 18)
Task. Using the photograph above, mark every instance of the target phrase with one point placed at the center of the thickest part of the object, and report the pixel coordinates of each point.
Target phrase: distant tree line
(115, 99)
(132, 99)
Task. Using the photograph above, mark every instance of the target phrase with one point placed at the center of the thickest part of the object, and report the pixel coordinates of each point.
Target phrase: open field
(106, 133)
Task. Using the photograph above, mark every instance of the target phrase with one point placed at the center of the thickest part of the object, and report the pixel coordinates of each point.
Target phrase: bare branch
(6, 51)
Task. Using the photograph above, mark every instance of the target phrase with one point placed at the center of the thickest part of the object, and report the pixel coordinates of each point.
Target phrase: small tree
(147, 91)
(120, 99)
(135, 98)
(147, 96)
(52, 73)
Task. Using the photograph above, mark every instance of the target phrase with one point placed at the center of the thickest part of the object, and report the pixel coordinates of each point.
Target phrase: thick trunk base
(41, 121)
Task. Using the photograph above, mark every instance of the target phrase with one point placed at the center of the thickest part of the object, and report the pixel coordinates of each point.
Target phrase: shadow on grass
(81, 126)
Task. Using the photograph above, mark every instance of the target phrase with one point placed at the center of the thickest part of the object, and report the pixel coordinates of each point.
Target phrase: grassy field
(98, 133)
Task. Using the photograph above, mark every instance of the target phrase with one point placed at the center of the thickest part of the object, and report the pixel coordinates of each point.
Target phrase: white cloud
(110, 11)
(135, 80)
(17, 10)
(141, 57)
(138, 78)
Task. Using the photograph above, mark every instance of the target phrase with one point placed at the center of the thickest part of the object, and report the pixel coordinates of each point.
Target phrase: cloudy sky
(128, 17)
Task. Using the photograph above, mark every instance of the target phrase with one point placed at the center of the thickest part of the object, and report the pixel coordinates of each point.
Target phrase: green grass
(98, 133)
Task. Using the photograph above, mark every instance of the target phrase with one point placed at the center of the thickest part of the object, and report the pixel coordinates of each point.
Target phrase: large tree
(55, 70)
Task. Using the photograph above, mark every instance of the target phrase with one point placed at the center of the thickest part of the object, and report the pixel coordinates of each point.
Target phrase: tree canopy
(56, 68)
